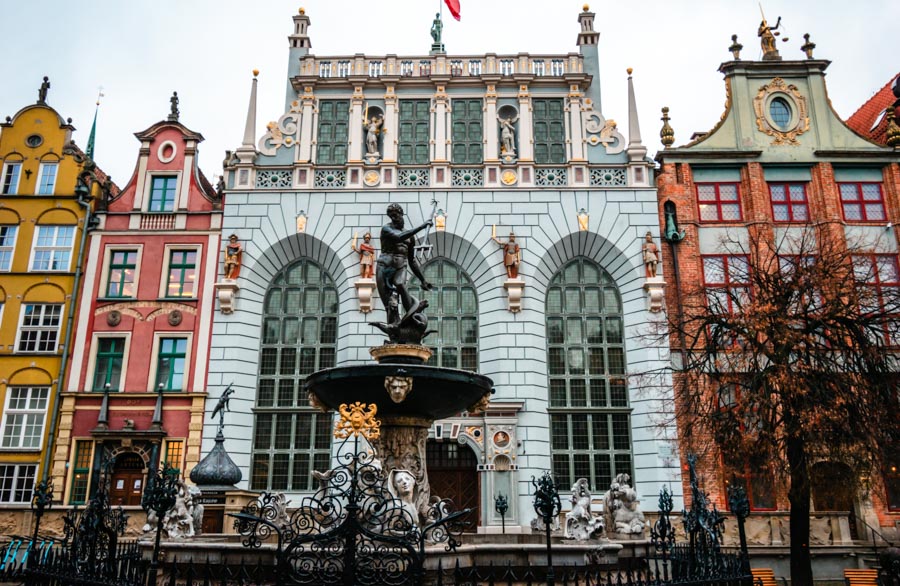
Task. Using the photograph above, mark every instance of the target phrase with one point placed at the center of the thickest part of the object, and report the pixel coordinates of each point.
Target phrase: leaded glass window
(299, 337)
(590, 427)
(549, 132)
(453, 312)
(467, 135)
(412, 146)
(333, 133)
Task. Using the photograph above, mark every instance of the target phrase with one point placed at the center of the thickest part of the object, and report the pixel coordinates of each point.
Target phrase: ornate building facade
(43, 217)
(485, 146)
(136, 391)
(779, 162)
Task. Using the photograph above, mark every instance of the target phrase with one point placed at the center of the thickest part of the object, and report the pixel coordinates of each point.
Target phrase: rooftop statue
(436, 27)
(398, 252)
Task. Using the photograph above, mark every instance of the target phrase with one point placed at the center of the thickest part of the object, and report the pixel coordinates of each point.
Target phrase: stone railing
(454, 66)
(157, 221)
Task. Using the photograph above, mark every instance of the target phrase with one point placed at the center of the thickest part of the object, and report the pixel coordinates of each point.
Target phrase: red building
(136, 387)
(879, 118)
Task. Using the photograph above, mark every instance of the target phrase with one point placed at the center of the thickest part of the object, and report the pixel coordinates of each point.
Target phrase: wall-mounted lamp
(301, 222)
(583, 219)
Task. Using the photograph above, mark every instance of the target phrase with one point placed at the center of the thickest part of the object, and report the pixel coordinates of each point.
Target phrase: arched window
(590, 424)
(299, 335)
(453, 312)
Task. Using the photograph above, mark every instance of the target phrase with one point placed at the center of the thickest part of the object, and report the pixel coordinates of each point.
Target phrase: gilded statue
(767, 39)
(650, 253)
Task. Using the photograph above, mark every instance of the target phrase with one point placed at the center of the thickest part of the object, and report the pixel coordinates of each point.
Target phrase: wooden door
(453, 474)
(127, 481)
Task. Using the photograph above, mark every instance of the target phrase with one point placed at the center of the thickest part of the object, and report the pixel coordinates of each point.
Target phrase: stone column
(526, 137)
(355, 151)
(391, 126)
(439, 132)
(491, 146)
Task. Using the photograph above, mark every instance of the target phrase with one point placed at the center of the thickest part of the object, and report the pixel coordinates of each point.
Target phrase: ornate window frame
(796, 101)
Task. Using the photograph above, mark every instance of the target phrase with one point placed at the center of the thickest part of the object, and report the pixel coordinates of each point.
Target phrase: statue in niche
(373, 126)
(366, 255)
(402, 485)
(398, 252)
(512, 253)
(650, 253)
(233, 253)
(508, 136)
(581, 524)
(767, 39)
(620, 507)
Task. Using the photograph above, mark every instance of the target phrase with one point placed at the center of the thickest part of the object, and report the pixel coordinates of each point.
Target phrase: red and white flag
(453, 5)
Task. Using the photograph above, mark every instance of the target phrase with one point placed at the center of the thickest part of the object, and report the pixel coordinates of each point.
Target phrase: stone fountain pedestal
(409, 396)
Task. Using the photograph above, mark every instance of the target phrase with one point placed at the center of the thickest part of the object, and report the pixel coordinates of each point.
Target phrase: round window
(34, 140)
(780, 111)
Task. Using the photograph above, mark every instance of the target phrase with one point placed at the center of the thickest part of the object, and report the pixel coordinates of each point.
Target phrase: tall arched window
(299, 336)
(589, 413)
(453, 312)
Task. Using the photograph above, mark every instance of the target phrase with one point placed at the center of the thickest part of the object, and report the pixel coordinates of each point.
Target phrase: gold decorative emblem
(372, 178)
(357, 421)
(799, 121)
(509, 177)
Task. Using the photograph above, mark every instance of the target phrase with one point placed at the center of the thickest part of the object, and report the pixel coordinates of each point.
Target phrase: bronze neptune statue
(398, 252)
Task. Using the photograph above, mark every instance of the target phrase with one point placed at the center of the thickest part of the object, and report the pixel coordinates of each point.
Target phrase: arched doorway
(453, 474)
(832, 487)
(127, 482)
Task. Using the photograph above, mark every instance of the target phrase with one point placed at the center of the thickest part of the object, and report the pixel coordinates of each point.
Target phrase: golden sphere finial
(629, 70)
(255, 72)
(302, 11)
(586, 7)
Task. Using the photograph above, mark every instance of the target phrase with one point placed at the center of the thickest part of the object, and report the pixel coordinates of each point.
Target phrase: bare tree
(786, 356)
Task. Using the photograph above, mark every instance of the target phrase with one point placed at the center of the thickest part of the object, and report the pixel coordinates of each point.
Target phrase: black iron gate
(353, 531)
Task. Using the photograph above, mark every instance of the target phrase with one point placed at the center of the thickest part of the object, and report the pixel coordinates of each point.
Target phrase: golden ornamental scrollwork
(799, 122)
(356, 420)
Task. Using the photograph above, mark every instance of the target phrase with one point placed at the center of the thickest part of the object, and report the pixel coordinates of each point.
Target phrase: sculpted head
(398, 387)
(404, 483)
(367, 237)
(395, 213)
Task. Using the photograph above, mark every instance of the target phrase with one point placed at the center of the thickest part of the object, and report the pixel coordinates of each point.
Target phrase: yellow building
(42, 222)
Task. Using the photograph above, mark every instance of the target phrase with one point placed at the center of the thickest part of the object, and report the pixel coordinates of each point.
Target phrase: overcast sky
(142, 50)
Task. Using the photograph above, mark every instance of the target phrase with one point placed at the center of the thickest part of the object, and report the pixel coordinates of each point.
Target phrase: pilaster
(491, 138)
(526, 137)
(391, 125)
(355, 153)
(441, 110)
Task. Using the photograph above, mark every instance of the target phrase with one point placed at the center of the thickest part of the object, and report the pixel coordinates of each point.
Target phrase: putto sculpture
(581, 524)
(621, 507)
(398, 253)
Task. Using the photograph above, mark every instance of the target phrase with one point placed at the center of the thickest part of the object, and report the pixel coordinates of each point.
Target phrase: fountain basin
(436, 392)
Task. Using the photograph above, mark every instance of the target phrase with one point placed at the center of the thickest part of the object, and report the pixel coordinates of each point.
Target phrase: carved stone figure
(397, 251)
(402, 485)
(620, 507)
(184, 519)
(281, 518)
(508, 136)
(173, 107)
(372, 128)
(366, 256)
(222, 406)
(651, 255)
(403, 448)
(512, 255)
(581, 525)
(767, 39)
(234, 253)
(398, 387)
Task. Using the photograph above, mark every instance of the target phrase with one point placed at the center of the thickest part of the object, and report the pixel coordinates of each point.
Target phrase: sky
(140, 51)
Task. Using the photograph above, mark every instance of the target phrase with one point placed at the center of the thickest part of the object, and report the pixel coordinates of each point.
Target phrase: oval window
(780, 111)
(34, 140)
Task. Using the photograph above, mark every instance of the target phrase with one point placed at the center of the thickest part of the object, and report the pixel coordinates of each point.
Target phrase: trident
(423, 248)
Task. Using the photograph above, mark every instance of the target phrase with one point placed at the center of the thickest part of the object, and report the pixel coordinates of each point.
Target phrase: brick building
(780, 159)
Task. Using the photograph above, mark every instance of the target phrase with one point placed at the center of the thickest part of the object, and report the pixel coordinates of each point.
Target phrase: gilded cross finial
(357, 421)
(735, 48)
(808, 46)
(667, 134)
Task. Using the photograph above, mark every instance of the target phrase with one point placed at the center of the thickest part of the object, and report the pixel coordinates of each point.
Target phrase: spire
(587, 45)
(89, 150)
(156, 423)
(636, 150)
(250, 128)
(587, 35)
